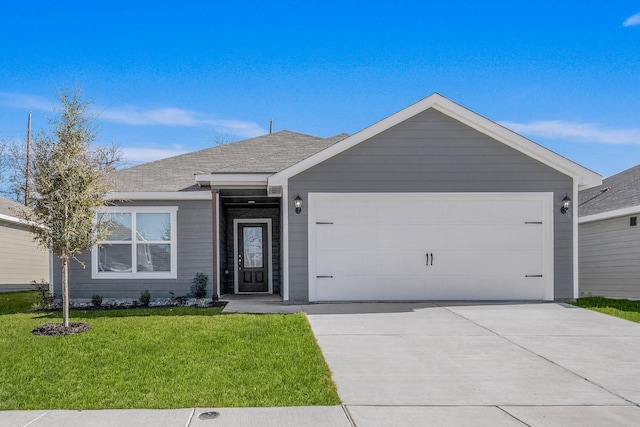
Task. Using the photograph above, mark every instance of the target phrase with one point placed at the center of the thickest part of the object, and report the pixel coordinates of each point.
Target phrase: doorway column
(216, 243)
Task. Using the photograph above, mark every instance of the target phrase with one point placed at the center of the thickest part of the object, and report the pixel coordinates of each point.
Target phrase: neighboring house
(21, 260)
(610, 237)
(432, 203)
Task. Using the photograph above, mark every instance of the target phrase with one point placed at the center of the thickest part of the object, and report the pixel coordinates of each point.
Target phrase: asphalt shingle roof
(619, 191)
(267, 153)
(9, 207)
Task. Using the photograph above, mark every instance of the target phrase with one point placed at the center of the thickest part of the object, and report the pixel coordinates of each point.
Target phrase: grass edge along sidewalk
(161, 358)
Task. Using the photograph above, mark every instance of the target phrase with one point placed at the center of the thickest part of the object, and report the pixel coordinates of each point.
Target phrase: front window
(141, 242)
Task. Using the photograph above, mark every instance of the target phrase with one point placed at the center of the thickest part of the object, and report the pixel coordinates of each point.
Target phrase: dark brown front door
(253, 274)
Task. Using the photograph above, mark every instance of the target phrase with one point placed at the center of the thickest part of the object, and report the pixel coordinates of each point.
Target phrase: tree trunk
(65, 291)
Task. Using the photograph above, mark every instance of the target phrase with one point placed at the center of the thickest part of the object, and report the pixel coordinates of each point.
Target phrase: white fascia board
(15, 220)
(584, 177)
(233, 179)
(632, 210)
(160, 195)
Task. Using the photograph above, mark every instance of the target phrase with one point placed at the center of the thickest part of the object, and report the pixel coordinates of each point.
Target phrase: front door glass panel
(252, 243)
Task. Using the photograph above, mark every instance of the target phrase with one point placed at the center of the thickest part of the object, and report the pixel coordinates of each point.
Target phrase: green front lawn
(17, 302)
(623, 308)
(161, 358)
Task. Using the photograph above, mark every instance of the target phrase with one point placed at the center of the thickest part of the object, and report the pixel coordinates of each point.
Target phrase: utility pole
(27, 171)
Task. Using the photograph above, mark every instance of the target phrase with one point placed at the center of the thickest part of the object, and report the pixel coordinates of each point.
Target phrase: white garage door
(408, 246)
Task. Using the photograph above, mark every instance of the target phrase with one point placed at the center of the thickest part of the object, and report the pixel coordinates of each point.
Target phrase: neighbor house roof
(618, 195)
(269, 153)
(9, 210)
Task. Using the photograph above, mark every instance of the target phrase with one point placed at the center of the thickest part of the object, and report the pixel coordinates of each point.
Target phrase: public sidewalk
(314, 416)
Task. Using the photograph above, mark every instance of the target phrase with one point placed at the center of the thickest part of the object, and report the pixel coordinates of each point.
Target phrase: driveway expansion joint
(546, 359)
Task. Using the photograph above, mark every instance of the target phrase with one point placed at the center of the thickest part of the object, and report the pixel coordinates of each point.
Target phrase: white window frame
(133, 210)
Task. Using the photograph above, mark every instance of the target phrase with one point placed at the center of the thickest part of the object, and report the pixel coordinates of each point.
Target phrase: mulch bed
(57, 329)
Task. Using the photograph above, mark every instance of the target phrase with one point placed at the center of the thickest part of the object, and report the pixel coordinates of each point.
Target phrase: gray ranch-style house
(434, 202)
(610, 237)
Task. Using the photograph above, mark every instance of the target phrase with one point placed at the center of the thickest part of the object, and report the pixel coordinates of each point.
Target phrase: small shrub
(180, 299)
(96, 300)
(44, 297)
(199, 285)
(145, 298)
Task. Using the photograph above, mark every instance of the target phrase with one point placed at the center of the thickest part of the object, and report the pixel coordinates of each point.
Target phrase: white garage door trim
(546, 199)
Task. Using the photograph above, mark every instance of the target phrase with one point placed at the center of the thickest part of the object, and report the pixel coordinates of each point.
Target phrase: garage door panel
(389, 237)
(347, 263)
(515, 264)
(376, 247)
(407, 287)
(412, 211)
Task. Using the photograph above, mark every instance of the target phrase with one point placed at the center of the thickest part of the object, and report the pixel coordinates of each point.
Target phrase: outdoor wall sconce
(297, 202)
(566, 202)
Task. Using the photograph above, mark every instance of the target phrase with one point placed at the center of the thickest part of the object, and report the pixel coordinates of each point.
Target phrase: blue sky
(168, 77)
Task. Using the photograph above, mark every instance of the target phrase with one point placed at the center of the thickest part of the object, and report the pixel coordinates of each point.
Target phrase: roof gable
(584, 177)
(11, 211)
(9, 207)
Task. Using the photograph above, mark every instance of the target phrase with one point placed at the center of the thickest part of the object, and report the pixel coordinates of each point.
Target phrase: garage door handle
(324, 277)
(428, 254)
(533, 275)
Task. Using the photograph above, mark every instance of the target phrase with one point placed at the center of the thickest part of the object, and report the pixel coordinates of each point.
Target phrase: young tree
(69, 185)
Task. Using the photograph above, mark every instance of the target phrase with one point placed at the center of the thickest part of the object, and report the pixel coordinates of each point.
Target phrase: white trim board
(284, 230)
(583, 176)
(217, 243)
(233, 179)
(238, 221)
(160, 195)
(631, 210)
(15, 220)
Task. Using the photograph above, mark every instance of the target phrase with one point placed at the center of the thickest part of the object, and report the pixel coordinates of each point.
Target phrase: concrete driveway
(547, 364)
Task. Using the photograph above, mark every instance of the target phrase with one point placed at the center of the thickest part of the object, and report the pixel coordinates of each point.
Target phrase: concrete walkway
(258, 304)
(416, 364)
(481, 364)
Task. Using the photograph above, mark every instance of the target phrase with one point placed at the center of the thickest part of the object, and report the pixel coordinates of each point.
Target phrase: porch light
(297, 202)
(566, 202)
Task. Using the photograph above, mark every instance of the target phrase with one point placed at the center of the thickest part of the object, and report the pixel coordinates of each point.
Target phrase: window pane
(118, 225)
(114, 258)
(154, 257)
(252, 242)
(153, 226)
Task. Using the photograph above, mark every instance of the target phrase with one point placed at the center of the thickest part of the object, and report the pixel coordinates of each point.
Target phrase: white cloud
(137, 155)
(632, 21)
(29, 102)
(587, 132)
(136, 116)
(139, 117)
(179, 117)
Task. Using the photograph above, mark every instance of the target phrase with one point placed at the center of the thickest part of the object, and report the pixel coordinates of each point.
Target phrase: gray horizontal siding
(195, 255)
(609, 259)
(21, 260)
(430, 152)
